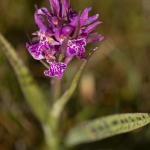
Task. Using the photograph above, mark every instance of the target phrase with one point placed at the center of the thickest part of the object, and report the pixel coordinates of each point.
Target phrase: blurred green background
(115, 80)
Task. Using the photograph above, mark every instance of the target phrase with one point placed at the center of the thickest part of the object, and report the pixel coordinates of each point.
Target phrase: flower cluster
(63, 33)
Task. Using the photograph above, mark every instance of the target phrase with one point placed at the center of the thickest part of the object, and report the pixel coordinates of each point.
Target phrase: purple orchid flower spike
(65, 33)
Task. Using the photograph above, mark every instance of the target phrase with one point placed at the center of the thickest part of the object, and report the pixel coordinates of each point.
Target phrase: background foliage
(115, 80)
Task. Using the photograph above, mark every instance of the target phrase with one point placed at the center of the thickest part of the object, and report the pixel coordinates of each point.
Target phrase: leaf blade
(30, 89)
(104, 127)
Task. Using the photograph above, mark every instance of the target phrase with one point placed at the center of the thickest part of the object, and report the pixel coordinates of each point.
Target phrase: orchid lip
(56, 69)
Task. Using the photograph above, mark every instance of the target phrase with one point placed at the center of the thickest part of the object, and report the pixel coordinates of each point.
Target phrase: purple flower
(65, 33)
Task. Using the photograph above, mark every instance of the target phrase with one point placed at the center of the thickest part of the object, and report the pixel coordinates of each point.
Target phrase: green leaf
(30, 89)
(104, 127)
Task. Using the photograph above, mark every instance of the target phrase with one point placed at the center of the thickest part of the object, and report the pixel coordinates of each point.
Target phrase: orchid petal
(44, 11)
(57, 34)
(70, 51)
(35, 50)
(92, 27)
(95, 39)
(56, 69)
(75, 21)
(75, 47)
(84, 16)
(91, 19)
(81, 55)
(55, 6)
(39, 21)
(65, 4)
(64, 8)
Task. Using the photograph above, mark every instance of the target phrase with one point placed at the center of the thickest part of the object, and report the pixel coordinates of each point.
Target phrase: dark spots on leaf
(121, 129)
(100, 127)
(122, 121)
(134, 125)
(149, 114)
(143, 116)
(93, 130)
(106, 125)
(125, 128)
(126, 120)
(115, 122)
(137, 118)
(130, 119)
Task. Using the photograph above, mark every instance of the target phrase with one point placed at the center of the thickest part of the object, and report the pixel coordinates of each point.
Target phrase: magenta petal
(65, 4)
(54, 43)
(81, 55)
(81, 42)
(65, 8)
(91, 19)
(70, 51)
(72, 14)
(84, 16)
(56, 69)
(57, 34)
(75, 47)
(75, 21)
(39, 20)
(55, 6)
(36, 50)
(67, 30)
(91, 27)
(44, 11)
(95, 39)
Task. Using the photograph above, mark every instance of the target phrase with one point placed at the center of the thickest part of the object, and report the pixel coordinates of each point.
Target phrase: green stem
(56, 88)
(51, 132)
(61, 102)
(44, 64)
